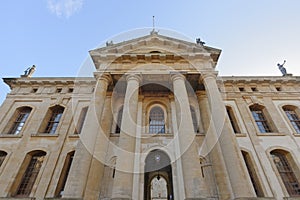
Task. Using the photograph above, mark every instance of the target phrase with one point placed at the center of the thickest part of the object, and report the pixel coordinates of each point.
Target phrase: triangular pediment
(149, 45)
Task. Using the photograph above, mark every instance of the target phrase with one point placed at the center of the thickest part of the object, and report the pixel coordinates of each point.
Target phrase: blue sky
(56, 35)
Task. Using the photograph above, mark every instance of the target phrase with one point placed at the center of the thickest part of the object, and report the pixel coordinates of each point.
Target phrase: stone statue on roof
(29, 71)
(282, 69)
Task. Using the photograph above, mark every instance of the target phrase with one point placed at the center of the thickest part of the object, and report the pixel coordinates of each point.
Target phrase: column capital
(176, 75)
(136, 77)
(208, 75)
(103, 76)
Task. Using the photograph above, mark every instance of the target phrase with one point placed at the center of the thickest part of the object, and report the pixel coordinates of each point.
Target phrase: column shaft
(123, 181)
(85, 147)
(229, 147)
(195, 186)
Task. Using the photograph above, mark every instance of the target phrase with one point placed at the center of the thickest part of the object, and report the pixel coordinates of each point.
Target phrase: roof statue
(29, 71)
(282, 69)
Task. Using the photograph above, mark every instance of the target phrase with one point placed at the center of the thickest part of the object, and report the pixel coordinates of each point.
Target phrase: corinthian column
(123, 181)
(225, 147)
(84, 151)
(195, 187)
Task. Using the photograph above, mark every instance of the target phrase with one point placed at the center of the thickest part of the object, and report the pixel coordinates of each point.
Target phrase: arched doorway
(158, 177)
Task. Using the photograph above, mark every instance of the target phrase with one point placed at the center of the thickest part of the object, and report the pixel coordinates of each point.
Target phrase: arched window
(156, 120)
(290, 112)
(81, 119)
(260, 119)
(233, 120)
(253, 175)
(195, 121)
(19, 120)
(53, 118)
(3, 155)
(119, 120)
(64, 174)
(286, 172)
(32, 170)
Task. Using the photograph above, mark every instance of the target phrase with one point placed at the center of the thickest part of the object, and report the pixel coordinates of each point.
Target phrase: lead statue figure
(29, 71)
(282, 69)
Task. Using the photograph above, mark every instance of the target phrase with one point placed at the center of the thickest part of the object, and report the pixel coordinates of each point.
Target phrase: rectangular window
(81, 120)
(30, 176)
(261, 121)
(293, 117)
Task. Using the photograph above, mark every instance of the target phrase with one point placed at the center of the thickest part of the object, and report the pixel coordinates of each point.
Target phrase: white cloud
(64, 8)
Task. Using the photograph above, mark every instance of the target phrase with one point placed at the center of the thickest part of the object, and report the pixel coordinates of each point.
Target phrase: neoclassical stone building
(155, 122)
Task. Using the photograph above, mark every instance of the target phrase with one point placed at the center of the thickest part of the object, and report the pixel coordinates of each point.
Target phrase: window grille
(30, 175)
(19, 122)
(156, 120)
(260, 120)
(53, 122)
(286, 173)
(294, 119)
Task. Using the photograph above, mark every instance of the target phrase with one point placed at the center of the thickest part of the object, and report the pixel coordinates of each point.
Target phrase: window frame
(233, 119)
(18, 121)
(294, 123)
(163, 125)
(262, 123)
(294, 169)
(27, 162)
(50, 123)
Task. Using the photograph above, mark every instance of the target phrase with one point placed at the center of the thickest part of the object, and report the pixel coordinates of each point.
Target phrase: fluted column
(77, 178)
(194, 184)
(225, 138)
(123, 181)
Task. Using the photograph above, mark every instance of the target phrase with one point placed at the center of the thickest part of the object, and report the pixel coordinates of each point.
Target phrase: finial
(153, 23)
(153, 32)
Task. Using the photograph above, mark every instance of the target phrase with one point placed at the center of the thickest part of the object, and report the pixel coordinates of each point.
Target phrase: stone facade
(155, 122)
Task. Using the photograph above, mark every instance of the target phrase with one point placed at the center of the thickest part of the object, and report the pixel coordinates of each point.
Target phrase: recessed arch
(157, 168)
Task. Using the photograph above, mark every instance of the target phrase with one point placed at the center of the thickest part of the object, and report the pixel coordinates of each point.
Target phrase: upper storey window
(290, 112)
(194, 118)
(19, 120)
(119, 121)
(233, 120)
(260, 119)
(54, 115)
(156, 120)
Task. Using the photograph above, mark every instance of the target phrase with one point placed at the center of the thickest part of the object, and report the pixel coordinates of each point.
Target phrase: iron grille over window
(31, 174)
(156, 120)
(286, 173)
(293, 117)
(20, 119)
(53, 122)
(260, 119)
